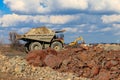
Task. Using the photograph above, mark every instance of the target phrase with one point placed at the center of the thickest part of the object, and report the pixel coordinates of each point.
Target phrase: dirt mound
(90, 62)
(39, 30)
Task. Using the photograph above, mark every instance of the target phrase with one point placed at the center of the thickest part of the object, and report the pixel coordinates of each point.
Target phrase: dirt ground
(7, 76)
(6, 50)
(99, 62)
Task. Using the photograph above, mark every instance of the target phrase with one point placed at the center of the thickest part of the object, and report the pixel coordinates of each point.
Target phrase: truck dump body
(37, 37)
(39, 34)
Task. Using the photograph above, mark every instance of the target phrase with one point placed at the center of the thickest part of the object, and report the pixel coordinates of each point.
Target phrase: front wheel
(56, 45)
(35, 46)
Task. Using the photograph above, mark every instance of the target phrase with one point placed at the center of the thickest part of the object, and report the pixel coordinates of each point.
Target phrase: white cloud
(63, 19)
(110, 18)
(82, 28)
(73, 4)
(116, 26)
(105, 5)
(14, 19)
(75, 29)
(92, 28)
(28, 6)
(106, 29)
(115, 29)
(23, 30)
(68, 29)
(46, 6)
(19, 30)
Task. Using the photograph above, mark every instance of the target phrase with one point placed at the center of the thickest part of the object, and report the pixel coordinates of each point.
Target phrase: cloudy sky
(96, 20)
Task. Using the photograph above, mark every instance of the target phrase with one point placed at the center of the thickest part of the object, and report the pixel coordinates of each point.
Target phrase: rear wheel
(35, 46)
(27, 47)
(56, 45)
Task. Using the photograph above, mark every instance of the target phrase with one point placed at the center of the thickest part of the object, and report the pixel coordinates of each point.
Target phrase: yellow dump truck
(41, 38)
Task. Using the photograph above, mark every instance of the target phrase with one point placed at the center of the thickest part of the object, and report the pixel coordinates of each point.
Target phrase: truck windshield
(59, 36)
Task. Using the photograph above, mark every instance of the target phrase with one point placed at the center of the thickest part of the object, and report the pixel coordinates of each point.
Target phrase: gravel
(19, 68)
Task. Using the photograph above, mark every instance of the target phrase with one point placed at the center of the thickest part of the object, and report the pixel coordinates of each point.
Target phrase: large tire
(56, 45)
(27, 47)
(35, 46)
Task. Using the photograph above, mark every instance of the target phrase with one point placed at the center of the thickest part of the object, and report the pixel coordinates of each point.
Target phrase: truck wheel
(35, 46)
(27, 47)
(56, 45)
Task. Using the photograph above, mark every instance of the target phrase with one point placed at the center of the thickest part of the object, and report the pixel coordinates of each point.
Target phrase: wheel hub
(36, 47)
(56, 47)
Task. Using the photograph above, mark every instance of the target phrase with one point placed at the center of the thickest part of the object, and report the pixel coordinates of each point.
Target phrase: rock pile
(19, 68)
(86, 61)
(44, 57)
(109, 46)
(90, 62)
(94, 62)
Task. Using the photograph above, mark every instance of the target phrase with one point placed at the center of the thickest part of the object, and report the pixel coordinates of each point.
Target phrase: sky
(97, 21)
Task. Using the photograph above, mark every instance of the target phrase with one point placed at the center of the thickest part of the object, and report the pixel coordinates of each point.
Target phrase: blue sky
(96, 20)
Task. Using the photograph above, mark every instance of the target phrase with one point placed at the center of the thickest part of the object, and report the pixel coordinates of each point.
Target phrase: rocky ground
(15, 67)
(100, 62)
(92, 62)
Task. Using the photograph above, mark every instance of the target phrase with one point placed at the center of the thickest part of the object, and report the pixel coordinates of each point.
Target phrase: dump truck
(40, 38)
